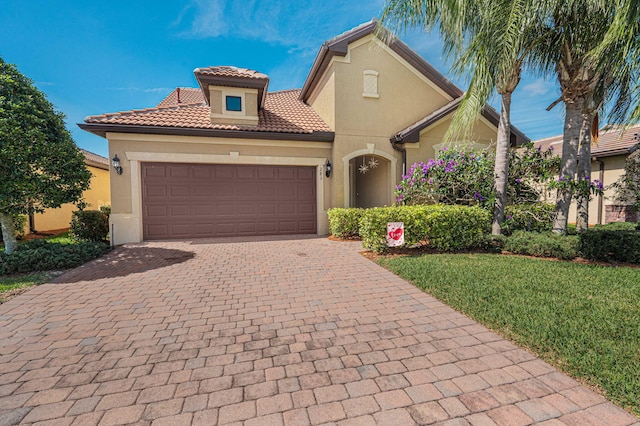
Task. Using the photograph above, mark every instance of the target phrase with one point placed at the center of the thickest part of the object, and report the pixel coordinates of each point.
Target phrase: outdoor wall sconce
(116, 164)
(328, 168)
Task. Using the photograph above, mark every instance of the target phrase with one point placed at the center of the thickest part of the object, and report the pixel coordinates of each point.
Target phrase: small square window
(234, 103)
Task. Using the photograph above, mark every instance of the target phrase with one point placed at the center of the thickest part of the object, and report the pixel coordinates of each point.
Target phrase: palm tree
(492, 39)
(589, 75)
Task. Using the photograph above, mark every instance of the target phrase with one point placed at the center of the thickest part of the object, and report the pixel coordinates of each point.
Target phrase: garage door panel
(223, 173)
(287, 209)
(201, 172)
(178, 171)
(202, 210)
(156, 191)
(307, 227)
(306, 208)
(157, 211)
(154, 171)
(288, 227)
(206, 200)
(179, 191)
(249, 190)
(202, 190)
(184, 211)
(267, 173)
(306, 174)
(247, 228)
(246, 173)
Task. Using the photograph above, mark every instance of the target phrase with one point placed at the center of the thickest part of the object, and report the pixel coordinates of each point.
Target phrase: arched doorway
(369, 177)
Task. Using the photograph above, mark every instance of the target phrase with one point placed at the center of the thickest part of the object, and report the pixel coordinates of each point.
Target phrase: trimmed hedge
(535, 217)
(611, 243)
(442, 227)
(542, 245)
(89, 225)
(40, 255)
(344, 223)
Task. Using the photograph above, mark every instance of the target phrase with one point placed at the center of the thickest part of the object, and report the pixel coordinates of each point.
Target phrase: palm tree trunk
(584, 172)
(8, 233)
(501, 167)
(569, 163)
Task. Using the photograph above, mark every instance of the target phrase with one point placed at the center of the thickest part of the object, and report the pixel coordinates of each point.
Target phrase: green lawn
(8, 284)
(584, 319)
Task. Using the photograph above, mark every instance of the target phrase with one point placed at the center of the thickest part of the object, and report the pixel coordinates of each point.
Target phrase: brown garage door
(219, 200)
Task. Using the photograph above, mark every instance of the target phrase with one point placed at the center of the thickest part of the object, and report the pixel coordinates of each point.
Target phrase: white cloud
(300, 25)
(537, 87)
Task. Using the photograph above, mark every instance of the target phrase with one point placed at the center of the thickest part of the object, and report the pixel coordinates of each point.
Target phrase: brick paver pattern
(265, 332)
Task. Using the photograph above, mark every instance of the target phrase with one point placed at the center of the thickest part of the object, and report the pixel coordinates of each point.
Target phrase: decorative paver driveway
(272, 331)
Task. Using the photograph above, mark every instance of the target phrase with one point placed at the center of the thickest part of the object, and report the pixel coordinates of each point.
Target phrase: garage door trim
(128, 227)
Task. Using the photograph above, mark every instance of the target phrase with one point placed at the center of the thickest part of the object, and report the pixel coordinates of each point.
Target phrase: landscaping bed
(37, 261)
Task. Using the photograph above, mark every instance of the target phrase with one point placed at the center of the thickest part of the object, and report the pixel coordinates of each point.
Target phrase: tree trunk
(8, 233)
(568, 164)
(584, 172)
(501, 167)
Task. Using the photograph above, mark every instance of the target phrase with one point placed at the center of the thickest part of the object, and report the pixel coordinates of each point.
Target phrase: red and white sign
(395, 234)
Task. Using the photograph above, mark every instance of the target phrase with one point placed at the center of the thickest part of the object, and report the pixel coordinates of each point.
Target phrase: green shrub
(618, 226)
(443, 227)
(89, 225)
(536, 217)
(20, 221)
(542, 245)
(40, 255)
(106, 210)
(611, 243)
(344, 223)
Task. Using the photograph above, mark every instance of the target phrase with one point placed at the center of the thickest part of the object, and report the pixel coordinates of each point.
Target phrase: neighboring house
(608, 158)
(96, 196)
(231, 158)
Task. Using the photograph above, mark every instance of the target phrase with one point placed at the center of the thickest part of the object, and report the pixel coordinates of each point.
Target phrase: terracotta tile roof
(229, 71)
(188, 95)
(283, 112)
(95, 160)
(612, 141)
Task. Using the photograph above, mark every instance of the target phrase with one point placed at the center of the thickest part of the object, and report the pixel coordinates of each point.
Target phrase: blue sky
(107, 56)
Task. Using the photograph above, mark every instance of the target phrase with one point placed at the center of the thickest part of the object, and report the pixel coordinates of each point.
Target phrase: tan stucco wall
(484, 135)
(404, 95)
(219, 114)
(365, 124)
(613, 169)
(96, 196)
(323, 99)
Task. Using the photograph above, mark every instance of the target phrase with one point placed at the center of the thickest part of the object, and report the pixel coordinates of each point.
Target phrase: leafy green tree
(41, 167)
(492, 40)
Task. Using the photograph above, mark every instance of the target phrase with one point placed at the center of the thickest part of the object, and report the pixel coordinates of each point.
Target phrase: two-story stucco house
(231, 158)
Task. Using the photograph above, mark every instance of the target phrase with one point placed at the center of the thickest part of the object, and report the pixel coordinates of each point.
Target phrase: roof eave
(101, 129)
(339, 46)
(411, 134)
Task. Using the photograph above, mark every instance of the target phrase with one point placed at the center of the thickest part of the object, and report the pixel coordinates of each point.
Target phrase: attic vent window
(370, 84)
(234, 103)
